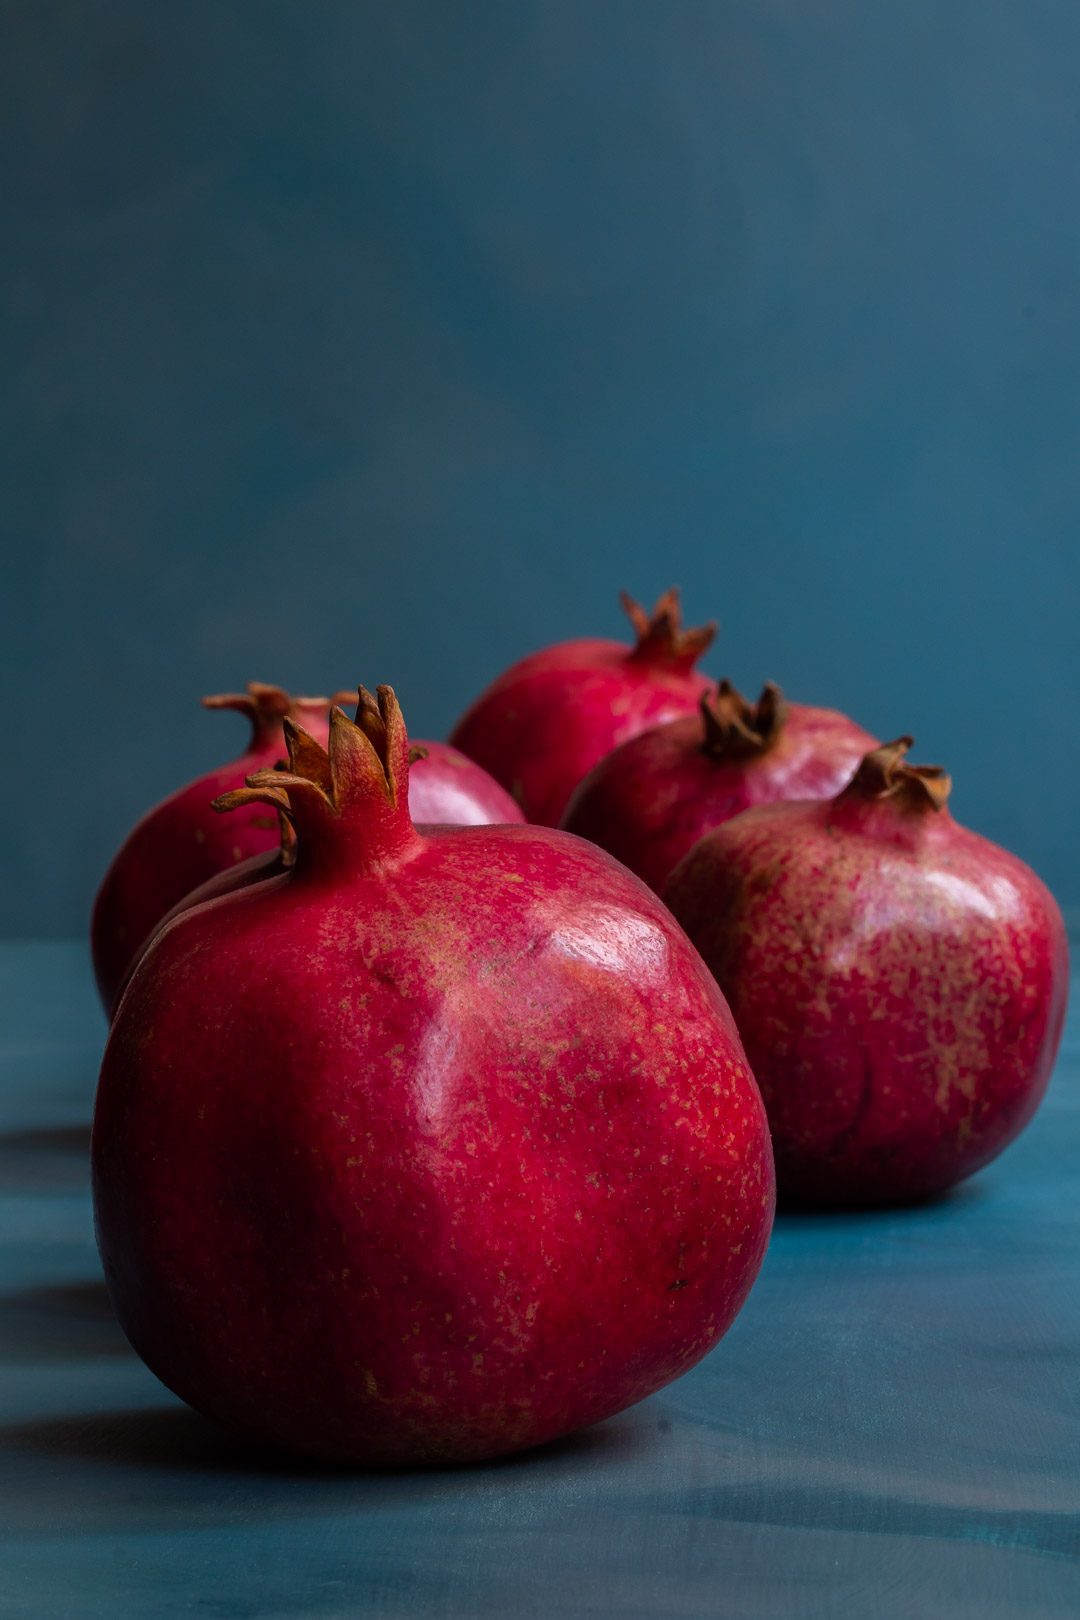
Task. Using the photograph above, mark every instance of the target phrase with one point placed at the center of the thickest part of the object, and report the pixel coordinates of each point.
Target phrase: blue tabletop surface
(892, 1427)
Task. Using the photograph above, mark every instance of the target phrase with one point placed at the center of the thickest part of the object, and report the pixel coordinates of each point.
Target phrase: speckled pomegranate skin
(548, 719)
(899, 983)
(445, 788)
(650, 800)
(181, 842)
(428, 1161)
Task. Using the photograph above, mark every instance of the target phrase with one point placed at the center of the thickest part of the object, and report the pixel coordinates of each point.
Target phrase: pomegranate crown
(735, 728)
(883, 774)
(358, 784)
(267, 706)
(661, 638)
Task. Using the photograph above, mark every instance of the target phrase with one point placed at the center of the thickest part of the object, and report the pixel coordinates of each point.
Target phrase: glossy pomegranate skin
(430, 1160)
(181, 842)
(447, 787)
(651, 799)
(899, 983)
(547, 720)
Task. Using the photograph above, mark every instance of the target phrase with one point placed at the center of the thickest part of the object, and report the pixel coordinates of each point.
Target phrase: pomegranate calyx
(661, 638)
(352, 795)
(883, 774)
(738, 729)
(267, 706)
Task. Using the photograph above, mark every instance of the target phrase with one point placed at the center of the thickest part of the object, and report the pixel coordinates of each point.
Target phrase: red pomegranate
(899, 981)
(445, 788)
(181, 842)
(547, 720)
(431, 1147)
(651, 799)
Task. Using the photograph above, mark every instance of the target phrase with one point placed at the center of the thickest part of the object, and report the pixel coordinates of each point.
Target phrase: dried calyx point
(267, 706)
(883, 774)
(661, 638)
(369, 752)
(286, 830)
(735, 728)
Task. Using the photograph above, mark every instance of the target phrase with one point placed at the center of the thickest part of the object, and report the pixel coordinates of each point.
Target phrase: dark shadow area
(179, 1438)
(47, 1159)
(791, 1211)
(63, 1322)
(622, 1437)
(87, 1468)
(173, 1437)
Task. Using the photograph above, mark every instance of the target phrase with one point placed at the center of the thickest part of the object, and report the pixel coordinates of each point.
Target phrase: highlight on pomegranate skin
(181, 843)
(448, 788)
(651, 799)
(899, 981)
(546, 721)
(428, 1145)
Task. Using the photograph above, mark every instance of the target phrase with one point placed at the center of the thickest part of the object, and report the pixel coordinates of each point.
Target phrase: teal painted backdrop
(386, 340)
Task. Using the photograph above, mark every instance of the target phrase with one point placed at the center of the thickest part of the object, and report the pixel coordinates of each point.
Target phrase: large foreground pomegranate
(651, 799)
(181, 842)
(547, 720)
(429, 1147)
(899, 981)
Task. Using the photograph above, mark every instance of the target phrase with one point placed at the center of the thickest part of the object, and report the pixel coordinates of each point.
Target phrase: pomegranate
(445, 788)
(431, 1146)
(547, 720)
(651, 799)
(181, 842)
(899, 981)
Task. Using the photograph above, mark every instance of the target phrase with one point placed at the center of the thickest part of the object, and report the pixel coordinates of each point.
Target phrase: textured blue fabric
(889, 1432)
(387, 339)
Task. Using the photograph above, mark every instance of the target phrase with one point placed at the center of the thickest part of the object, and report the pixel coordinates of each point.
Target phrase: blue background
(388, 340)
